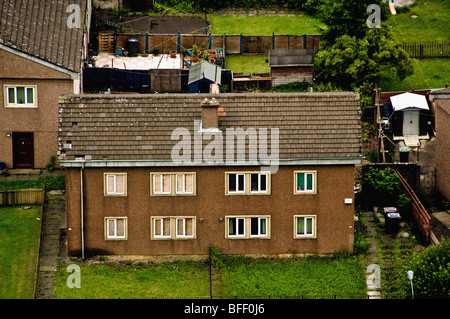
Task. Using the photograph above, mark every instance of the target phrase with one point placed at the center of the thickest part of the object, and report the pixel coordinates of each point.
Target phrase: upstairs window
(172, 184)
(247, 183)
(20, 96)
(305, 182)
(115, 184)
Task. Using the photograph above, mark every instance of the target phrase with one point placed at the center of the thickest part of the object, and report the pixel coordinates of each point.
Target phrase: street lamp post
(410, 274)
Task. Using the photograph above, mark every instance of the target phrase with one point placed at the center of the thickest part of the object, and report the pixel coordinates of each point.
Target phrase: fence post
(178, 42)
(304, 41)
(240, 43)
(273, 40)
(146, 42)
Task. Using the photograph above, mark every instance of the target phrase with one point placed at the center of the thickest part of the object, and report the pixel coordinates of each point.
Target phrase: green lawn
(165, 280)
(19, 249)
(428, 74)
(265, 25)
(317, 277)
(248, 63)
(431, 24)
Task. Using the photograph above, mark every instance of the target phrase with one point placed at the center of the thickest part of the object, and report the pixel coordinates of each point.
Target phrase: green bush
(382, 187)
(432, 271)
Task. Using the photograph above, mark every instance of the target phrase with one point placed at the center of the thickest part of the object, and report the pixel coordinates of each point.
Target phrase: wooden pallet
(106, 42)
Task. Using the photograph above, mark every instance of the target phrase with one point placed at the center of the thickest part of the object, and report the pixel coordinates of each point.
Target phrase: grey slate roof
(285, 57)
(139, 127)
(39, 28)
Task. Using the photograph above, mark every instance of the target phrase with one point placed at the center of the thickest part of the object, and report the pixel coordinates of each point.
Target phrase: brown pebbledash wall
(334, 217)
(442, 147)
(43, 120)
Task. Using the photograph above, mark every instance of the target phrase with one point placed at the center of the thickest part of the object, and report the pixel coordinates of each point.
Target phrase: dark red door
(23, 150)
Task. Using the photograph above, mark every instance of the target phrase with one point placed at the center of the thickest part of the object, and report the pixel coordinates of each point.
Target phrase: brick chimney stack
(210, 113)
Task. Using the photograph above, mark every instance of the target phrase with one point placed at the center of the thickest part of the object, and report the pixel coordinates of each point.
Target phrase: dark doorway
(23, 150)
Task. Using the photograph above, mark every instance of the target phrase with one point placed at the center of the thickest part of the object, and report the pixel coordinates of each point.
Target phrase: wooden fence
(29, 196)
(419, 212)
(430, 49)
(231, 44)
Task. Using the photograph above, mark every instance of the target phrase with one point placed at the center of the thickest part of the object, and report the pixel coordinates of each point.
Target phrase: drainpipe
(82, 210)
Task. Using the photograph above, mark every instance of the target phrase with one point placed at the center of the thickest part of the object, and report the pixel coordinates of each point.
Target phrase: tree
(344, 17)
(352, 62)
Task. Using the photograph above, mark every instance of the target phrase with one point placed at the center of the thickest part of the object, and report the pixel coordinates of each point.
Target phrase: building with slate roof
(171, 174)
(42, 47)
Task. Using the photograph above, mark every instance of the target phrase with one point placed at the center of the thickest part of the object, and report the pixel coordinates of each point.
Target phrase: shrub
(432, 271)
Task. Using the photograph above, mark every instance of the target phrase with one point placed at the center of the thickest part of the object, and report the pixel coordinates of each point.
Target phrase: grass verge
(19, 247)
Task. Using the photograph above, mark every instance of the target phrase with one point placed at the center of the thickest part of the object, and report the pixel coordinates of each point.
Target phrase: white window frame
(183, 220)
(247, 175)
(237, 235)
(114, 192)
(237, 191)
(114, 236)
(161, 182)
(313, 223)
(247, 219)
(15, 104)
(183, 191)
(158, 177)
(259, 191)
(260, 219)
(162, 236)
(314, 182)
(173, 227)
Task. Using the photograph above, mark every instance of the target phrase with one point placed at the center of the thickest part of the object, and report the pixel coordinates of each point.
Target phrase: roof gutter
(170, 163)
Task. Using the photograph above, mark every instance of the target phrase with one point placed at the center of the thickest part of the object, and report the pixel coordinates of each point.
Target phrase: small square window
(115, 184)
(305, 182)
(116, 227)
(305, 226)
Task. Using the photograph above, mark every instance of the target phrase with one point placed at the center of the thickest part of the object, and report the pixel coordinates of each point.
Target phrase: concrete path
(48, 252)
(372, 265)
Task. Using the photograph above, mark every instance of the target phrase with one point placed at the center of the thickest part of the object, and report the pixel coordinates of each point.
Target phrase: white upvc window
(162, 227)
(173, 227)
(259, 183)
(236, 227)
(245, 227)
(247, 183)
(184, 183)
(184, 227)
(20, 96)
(115, 184)
(258, 226)
(305, 226)
(115, 228)
(236, 183)
(173, 183)
(162, 184)
(305, 182)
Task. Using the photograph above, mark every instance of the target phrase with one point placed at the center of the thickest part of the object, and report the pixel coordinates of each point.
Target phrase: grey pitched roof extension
(139, 127)
(39, 29)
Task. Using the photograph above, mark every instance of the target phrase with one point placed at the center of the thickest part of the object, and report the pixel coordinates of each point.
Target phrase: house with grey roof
(171, 174)
(42, 48)
(203, 77)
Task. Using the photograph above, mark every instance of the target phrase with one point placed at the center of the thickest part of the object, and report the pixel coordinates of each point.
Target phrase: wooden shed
(288, 66)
